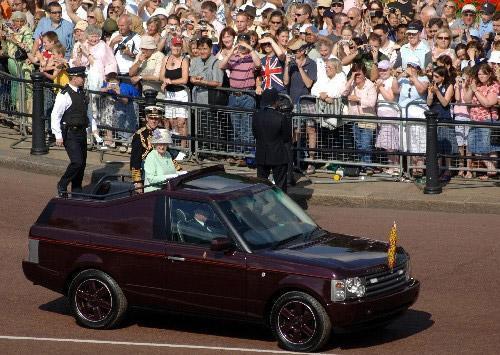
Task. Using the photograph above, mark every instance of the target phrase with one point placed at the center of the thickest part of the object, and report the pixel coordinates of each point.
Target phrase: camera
(121, 46)
(172, 28)
(392, 10)
(188, 22)
(365, 49)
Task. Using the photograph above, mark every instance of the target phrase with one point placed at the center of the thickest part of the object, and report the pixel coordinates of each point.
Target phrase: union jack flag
(272, 73)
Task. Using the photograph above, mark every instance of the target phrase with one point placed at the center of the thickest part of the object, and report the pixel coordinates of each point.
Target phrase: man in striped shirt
(243, 63)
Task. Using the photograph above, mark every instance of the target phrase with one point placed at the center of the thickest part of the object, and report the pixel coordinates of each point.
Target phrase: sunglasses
(468, 14)
(352, 18)
(294, 51)
(322, 8)
(276, 22)
(56, 12)
(337, 5)
(444, 38)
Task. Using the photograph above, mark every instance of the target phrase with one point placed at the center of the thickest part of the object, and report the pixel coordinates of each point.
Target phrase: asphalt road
(453, 255)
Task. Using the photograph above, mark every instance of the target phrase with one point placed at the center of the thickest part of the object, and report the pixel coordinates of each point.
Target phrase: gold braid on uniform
(136, 175)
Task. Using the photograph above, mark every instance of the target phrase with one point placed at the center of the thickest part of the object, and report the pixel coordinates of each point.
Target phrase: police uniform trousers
(279, 174)
(75, 143)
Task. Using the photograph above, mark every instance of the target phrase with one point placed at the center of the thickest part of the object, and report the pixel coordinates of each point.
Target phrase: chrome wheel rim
(93, 300)
(297, 322)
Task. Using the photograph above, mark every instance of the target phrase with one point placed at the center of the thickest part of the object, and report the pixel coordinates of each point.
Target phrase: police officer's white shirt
(63, 102)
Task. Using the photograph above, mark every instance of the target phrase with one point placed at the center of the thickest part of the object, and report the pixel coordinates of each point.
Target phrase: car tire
(96, 300)
(300, 322)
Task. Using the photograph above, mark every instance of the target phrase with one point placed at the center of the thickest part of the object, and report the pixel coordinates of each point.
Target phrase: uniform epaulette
(140, 130)
(65, 89)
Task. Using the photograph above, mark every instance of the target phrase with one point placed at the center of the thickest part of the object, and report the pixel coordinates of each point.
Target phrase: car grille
(385, 281)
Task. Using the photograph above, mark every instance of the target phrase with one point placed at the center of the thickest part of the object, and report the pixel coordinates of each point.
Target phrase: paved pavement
(462, 196)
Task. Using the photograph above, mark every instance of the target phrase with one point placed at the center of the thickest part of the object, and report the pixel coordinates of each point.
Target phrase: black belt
(239, 93)
(74, 128)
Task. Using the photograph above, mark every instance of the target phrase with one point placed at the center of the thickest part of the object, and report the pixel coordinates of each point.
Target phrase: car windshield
(268, 218)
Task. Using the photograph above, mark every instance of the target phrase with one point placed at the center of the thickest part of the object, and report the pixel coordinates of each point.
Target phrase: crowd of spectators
(382, 58)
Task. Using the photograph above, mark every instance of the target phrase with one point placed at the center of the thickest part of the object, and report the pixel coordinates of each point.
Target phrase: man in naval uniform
(69, 121)
(141, 145)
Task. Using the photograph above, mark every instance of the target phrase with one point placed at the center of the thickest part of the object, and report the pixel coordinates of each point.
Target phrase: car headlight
(352, 287)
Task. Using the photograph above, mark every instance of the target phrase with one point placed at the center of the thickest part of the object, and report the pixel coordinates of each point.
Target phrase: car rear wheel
(299, 322)
(96, 300)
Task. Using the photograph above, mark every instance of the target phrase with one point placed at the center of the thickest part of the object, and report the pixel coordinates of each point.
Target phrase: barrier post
(150, 97)
(432, 184)
(38, 144)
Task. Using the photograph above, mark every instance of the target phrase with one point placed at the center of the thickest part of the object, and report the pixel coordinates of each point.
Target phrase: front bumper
(379, 309)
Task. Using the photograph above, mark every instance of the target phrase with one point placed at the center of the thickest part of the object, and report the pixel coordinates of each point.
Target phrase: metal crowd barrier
(328, 136)
(225, 130)
(15, 99)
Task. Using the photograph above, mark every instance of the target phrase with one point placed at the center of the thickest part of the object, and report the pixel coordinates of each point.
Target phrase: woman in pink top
(461, 113)
(362, 97)
(482, 92)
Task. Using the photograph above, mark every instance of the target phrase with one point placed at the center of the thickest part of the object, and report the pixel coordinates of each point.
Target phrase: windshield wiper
(287, 241)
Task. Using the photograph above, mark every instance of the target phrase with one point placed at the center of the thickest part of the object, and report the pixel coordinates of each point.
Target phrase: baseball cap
(413, 62)
(414, 27)
(488, 8)
(469, 8)
(176, 41)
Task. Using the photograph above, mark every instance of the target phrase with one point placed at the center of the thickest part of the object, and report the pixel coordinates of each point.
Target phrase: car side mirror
(221, 244)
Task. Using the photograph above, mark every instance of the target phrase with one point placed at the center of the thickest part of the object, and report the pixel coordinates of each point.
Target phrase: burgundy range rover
(214, 244)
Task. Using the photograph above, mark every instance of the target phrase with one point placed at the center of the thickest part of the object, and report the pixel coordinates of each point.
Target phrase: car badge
(391, 253)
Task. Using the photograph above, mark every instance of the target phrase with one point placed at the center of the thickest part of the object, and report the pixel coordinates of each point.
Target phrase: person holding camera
(125, 44)
(299, 76)
(242, 62)
(272, 131)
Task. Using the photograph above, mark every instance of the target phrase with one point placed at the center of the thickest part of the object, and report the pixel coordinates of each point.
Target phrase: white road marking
(157, 345)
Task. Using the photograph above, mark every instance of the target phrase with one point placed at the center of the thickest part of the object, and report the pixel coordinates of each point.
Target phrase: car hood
(345, 255)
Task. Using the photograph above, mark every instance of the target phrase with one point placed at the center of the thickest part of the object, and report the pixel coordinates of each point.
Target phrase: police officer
(272, 132)
(69, 121)
(141, 144)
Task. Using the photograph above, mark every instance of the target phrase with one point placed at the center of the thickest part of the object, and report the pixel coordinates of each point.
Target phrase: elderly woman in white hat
(18, 42)
(159, 165)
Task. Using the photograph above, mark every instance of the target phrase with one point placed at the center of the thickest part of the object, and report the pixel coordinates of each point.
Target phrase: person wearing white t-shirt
(387, 47)
(260, 7)
(125, 44)
(72, 11)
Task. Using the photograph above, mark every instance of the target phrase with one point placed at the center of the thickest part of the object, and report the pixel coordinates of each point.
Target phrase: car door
(200, 279)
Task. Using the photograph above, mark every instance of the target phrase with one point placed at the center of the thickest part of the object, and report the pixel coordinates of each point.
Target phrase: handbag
(218, 97)
(20, 54)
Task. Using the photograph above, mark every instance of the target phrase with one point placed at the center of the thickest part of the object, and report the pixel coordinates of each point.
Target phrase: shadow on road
(410, 323)
(199, 325)
(59, 305)
(183, 323)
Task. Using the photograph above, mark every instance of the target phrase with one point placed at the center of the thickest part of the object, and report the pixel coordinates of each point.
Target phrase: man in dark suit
(271, 131)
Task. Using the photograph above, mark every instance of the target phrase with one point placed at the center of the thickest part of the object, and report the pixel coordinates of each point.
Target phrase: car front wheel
(96, 300)
(299, 322)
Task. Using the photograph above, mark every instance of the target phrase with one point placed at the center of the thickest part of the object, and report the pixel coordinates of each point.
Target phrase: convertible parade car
(216, 245)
